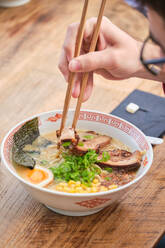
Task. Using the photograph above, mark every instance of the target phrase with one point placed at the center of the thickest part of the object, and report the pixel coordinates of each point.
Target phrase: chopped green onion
(77, 168)
(88, 136)
(80, 144)
(109, 169)
(105, 157)
(108, 178)
(67, 143)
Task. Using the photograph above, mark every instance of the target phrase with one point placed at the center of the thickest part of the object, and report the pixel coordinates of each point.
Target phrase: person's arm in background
(116, 58)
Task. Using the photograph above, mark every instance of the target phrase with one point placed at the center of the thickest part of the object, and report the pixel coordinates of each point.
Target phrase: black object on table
(150, 118)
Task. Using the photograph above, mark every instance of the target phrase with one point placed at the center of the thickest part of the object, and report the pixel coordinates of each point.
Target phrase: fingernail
(75, 65)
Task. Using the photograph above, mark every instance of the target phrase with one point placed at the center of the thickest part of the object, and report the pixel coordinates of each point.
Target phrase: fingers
(69, 44)
(89, 88)
(77, 85)
(68, 49)
(63, 65)
(89, 27)
(108, 30)
(112, 33)
(101, 44)
(92, 61)
(70, 40)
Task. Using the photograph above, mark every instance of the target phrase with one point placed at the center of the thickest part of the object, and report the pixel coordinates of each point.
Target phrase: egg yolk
(37, 176)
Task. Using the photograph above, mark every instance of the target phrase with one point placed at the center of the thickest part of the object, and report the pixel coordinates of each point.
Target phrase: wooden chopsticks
(72, 74)
(85, 75)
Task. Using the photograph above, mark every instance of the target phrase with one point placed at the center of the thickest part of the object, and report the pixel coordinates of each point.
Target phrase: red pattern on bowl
(93, 203)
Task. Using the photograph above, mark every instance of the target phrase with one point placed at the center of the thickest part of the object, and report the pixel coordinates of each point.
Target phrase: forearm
(143, 73)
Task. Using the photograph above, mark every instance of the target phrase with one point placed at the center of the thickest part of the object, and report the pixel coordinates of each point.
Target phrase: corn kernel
(113, 186)
(72, 186)
(81, 191)
(95, 181)
(94, 189)
(88, 190)
(78, 188)
(62, 184)
(83, 186)
(71, 182)
(78, 183)
(66, 189)
(103, 188)
(59, 188)
(71, 191)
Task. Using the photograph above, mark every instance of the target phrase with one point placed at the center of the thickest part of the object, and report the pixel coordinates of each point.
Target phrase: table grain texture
(31, 37)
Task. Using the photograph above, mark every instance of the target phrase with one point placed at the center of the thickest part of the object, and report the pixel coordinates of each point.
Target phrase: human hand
(116, 56)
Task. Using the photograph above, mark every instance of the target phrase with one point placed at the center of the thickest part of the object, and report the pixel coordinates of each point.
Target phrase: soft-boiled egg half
(40, 176)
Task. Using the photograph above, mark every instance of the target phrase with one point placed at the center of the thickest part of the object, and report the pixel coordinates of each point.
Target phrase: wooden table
(30, 41)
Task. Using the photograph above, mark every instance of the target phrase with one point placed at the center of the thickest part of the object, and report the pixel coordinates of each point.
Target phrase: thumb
(90, 62)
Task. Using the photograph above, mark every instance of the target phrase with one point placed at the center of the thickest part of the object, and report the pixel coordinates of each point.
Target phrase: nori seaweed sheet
(25, 135)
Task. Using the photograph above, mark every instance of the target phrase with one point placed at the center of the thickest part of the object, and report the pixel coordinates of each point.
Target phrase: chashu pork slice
(68, 134)
(123, 159)
(93, 144)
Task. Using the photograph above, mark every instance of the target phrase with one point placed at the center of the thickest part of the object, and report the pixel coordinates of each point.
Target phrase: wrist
(140, 71)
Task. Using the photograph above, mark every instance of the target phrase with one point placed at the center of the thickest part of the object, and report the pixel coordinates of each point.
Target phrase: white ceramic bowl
(76, 204)
(12, 3)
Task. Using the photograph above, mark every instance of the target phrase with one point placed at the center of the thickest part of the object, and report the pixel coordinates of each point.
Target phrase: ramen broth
(46, 153)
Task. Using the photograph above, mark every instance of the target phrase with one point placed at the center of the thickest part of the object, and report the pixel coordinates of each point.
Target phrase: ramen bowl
(81, 204)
